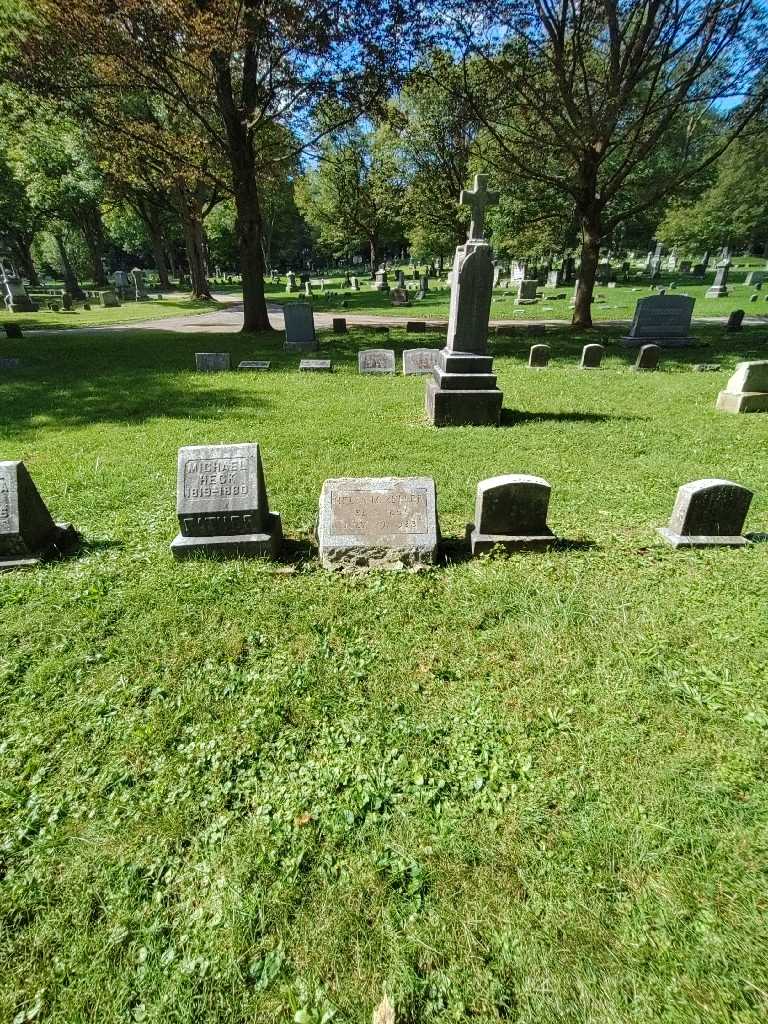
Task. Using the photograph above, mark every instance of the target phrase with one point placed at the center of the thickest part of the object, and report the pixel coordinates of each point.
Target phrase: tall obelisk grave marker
(463, 390)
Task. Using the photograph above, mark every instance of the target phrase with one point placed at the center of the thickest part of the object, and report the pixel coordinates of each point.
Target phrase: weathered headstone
(747, 389)
(221, 503)
(376, 360)
(339, 325)
(211, 362)
(355, 284)
(555, 279)
(647, 358)
(526, 294)
(415, 327)
(254, 364)
(734, 321)
(28, 534)
(108, 299)
(511, 513)
(299, 326)
(381, 283)
(315, 365)
(663, 320)
(755, 277)
(420, 360)
(14, 291)
(137, 275)
(13, 330)
(591, 356)
(388, 522)
(9, 363)
(538, 357)
(290, 284)
(708, 513)
(719, 289)
(400, 297)
(685, 267)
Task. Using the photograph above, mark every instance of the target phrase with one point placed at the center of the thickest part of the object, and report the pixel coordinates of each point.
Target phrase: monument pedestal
(241, 545)
(62, 541)
(463, 391)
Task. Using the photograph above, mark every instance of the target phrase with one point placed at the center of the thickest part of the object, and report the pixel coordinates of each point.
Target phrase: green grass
(525, 789)
(610, 303)
(96, 316)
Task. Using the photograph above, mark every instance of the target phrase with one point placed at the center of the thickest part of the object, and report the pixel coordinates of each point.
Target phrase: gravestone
(13, 330)
(290, 284)
(400, 277)
(381, 282)
(591, 356)
(14, 291)
(719, 288)
(538, 357)
(355, 284)
(747, 389)
(463, 391)
(526, 295)
(28, 534)
(708, 513)
(415, 327)
(647, 358)
(221, 503)
(419, 360)
(734, 321)
(424, 284)
(254, 364)
(388, 522)
(400, 297)
(315, 365)
(339, 325)
(511, 513)
(138, 283)
(663, 320)
(755, 277)
(699, 270)
(376, 360)
(9, 363)
(496, 277)
(299, 327)
(308, 289)
(555, 279)
(685, 267)
(211, 362)
(120, 280)
(108, 299)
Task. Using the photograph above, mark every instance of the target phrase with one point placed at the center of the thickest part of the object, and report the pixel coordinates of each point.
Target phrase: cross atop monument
(479, 199)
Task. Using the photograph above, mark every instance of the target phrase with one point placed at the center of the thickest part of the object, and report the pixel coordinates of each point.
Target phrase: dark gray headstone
(708, 513)
(221, 503)
(592, 356)
(388, 522)
(719, 289)
(663, 320)
(415, 326)
(13, 330)
(539, 356)
(9, 363)
(339, 325)
(28, 534)
(526, 294)
(211, 362)
(647, 358)
(376, 360)
(511, 513)
(299, 326)
(735, 320)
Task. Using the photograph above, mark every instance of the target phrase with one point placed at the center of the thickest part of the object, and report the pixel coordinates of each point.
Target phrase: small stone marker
(663, 320)
(706, 367)
(376, 360)
(747, 389)
(419, 360)
(719, 289)
(647, 358)
(28, 534)
(211, 362)
(316, 365)
(538, 357)
(221, 502)
(13, 330)
(526, 295)
(254, 364)
(339, 325)
(591, 356)
(511, 512)
(299, 326)
(108, 299)
(708, 513)
(8, 363)
(369, 522)
(415, 327)
(734, 321)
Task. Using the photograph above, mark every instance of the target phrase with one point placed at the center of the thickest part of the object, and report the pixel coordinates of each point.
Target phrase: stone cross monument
(463, 390)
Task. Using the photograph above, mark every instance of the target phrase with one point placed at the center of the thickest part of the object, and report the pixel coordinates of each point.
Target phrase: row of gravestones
(363, 522)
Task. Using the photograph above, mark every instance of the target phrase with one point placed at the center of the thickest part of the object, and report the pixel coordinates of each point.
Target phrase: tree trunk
(93, 232)
(192, 223)
(70, 278)
(374, 255)
(22, 252)
(158, 252)
(590, 255)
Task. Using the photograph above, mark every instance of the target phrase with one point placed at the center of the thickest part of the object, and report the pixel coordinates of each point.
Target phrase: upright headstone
(555, 279)
(14, 292)
(121, 281)
(339, 325)
(290, 284)
(591, 356)
(388, 522)
(735, 321)
(221, 503)
(299, 327)
(747, 389)
(28, 534)
(376, 360)
(511, 513)
(400, 297)
(137, 274)
(108, 299)
(415, 327)
(420, 360)
(719, 289)
(13, 330)
(381, 283)
(708, 513)
(526, 294)
(463, 391)
(538, 357)
(355, 284)
(211, 362)
(663, 320)
(647, 358)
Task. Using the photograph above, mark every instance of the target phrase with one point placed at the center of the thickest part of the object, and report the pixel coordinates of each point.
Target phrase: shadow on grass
(457, 550)
(514, 417)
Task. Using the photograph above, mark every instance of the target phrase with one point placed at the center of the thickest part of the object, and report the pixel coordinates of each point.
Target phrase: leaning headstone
(108, 299)
(526, 294)
(591, 356)
(719, 289)
(747, 389)
(315, 365)
(254, 364)
(538, 357)
(734, 321)
(339, 325)
(221, 503)
(708, 513)
(511, 513)
(388, 522)
(28, 534)
(13, 330)
(419, 360)
(647, 358)
(376, 360)
(299, 326)
(663, 320)
(211, 362)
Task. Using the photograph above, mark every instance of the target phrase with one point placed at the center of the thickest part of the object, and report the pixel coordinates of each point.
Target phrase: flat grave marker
(212, 362)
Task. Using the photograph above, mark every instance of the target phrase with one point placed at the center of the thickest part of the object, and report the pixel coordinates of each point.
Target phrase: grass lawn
(610, 303)
(96, 316)
(526, 789)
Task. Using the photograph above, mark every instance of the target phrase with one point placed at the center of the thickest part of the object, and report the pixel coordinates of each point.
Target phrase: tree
(19, 220)
(583, 98)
